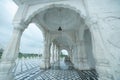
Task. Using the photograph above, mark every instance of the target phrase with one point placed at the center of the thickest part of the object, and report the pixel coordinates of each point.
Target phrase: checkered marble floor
(37, 74)
(25, 70)
(59, 75)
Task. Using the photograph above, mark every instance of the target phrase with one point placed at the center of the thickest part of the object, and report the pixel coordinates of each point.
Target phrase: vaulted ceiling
(69, 20)
(53, 18)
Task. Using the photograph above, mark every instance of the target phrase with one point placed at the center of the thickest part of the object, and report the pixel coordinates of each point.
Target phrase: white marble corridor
(90, 32)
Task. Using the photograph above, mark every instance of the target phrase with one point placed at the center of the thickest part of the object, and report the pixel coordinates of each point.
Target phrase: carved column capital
(20, 25)
(91, 22)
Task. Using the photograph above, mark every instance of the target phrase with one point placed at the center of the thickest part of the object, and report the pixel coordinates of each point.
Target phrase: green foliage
(62, 55)
(0, 54)
(25, 55)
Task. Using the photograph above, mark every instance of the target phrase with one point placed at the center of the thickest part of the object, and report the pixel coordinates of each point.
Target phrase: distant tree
(25, 55)
(62, 55)
(0, 54)
(1, 51)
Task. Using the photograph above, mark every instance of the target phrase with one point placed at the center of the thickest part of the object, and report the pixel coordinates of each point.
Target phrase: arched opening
(65, 63)
(64, 55)
(32, 40)
(31, 50)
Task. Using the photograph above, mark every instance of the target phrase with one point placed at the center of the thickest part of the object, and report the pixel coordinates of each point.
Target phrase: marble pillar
(103, 65)
(10, 54)
(58, 57)
(55, 53)
(75, 57)
(45, 64)
(83, 61)
(72, 57)
(51, 54)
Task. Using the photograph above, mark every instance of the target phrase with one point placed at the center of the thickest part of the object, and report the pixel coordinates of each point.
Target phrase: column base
(44, 64)
(76, 66)
(105, 76)
(104, 73)
(6, 70)
(83, 66)
(6, 76)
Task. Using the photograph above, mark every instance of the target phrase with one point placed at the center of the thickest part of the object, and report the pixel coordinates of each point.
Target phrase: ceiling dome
(55, 17)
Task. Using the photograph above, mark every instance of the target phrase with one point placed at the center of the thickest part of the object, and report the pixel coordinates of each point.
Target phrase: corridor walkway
(64, 72)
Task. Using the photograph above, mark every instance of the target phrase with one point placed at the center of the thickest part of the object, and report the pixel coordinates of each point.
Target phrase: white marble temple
(89, 32)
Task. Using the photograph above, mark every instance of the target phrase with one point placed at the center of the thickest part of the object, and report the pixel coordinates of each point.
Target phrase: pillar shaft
(59, 56)
(13, 46)
(9, 55)
(75, 57)
(56, 54)
(47, 56)
(83, 60)
(103, 65)
(45, 64)
(53, 54)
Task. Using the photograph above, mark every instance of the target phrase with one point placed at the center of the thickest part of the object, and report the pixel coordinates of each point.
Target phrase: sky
(32, 38)
(64, 52)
